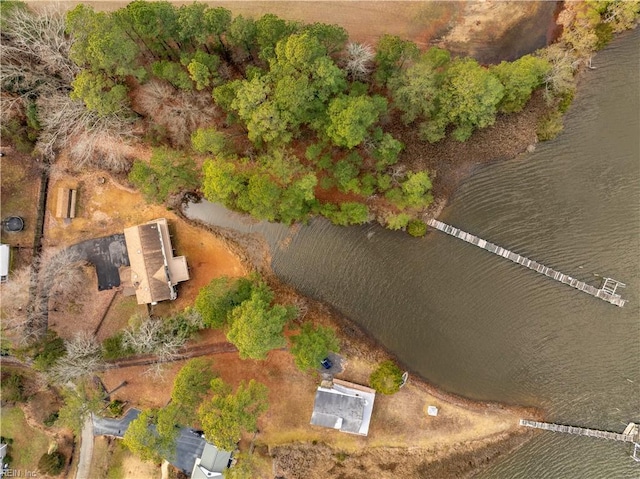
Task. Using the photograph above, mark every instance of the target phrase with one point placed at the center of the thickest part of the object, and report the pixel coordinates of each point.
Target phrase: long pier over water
(607, 291)
(629, 434)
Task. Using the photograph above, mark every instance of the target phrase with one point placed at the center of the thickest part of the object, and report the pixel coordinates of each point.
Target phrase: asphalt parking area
(107, 254)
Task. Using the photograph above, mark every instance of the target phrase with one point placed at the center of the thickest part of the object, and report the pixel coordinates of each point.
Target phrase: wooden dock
(582, 431)
(607, 291)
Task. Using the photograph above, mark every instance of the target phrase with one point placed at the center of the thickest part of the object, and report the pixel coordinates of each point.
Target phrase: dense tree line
(282, 82)
(290, 117)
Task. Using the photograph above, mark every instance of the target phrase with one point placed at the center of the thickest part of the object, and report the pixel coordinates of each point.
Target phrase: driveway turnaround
(103, 426)
(107, 254)
(336, 365)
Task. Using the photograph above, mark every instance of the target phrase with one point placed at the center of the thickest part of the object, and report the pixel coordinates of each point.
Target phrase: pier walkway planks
(580, 431)
(606, 293)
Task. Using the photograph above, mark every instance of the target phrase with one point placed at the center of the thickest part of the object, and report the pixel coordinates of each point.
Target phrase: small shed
(66, 206)
(5, 258)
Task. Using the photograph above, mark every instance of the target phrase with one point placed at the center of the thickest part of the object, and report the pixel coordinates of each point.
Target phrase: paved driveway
(86, 451)
(103, 426)
(336, 365)
(188, 448)
(107, 254)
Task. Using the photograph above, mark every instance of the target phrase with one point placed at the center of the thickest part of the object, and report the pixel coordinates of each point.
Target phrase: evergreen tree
(226, 415)
(520, 78)
(312, 345)
(256, 326)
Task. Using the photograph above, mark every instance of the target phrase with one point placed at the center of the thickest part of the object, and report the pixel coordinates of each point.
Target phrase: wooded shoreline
(451, 161)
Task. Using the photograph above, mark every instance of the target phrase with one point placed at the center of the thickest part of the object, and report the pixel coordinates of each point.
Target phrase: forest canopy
(282, 120)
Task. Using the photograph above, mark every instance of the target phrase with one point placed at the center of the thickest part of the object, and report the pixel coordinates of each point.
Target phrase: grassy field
(366, 21)
(28, 443)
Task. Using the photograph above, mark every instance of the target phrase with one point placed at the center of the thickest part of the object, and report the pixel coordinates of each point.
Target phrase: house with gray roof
(191, 453)
(345, 406)
(211, 463)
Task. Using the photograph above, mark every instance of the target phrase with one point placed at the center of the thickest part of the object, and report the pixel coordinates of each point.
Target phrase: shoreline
(443, 457)
(357, 339)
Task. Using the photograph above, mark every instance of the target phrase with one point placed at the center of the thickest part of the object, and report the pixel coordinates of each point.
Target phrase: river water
(482, 327)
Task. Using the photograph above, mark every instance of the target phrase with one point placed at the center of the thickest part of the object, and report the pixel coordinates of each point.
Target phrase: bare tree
(53, 269)
(144, 338)
(36, 64)
(193, 318)
(91, 139)
(35, 52)
(15, 301)
(83, 357)
(179, 113)
(564, 63)
(398, 172)
(152, 336)
(61, 266)
(15, 293)
(359, 60)
(166, 351)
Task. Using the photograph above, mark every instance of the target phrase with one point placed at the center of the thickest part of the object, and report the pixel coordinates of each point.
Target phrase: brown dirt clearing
(399, 424)
(20, 180)
(106, 208)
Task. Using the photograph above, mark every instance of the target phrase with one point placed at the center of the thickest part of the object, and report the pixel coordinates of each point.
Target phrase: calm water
(485, 328)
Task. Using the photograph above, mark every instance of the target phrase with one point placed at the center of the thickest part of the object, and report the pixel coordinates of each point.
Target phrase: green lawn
(28, 443)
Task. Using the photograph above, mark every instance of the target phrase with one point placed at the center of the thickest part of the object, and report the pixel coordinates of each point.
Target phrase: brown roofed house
(154, 270)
